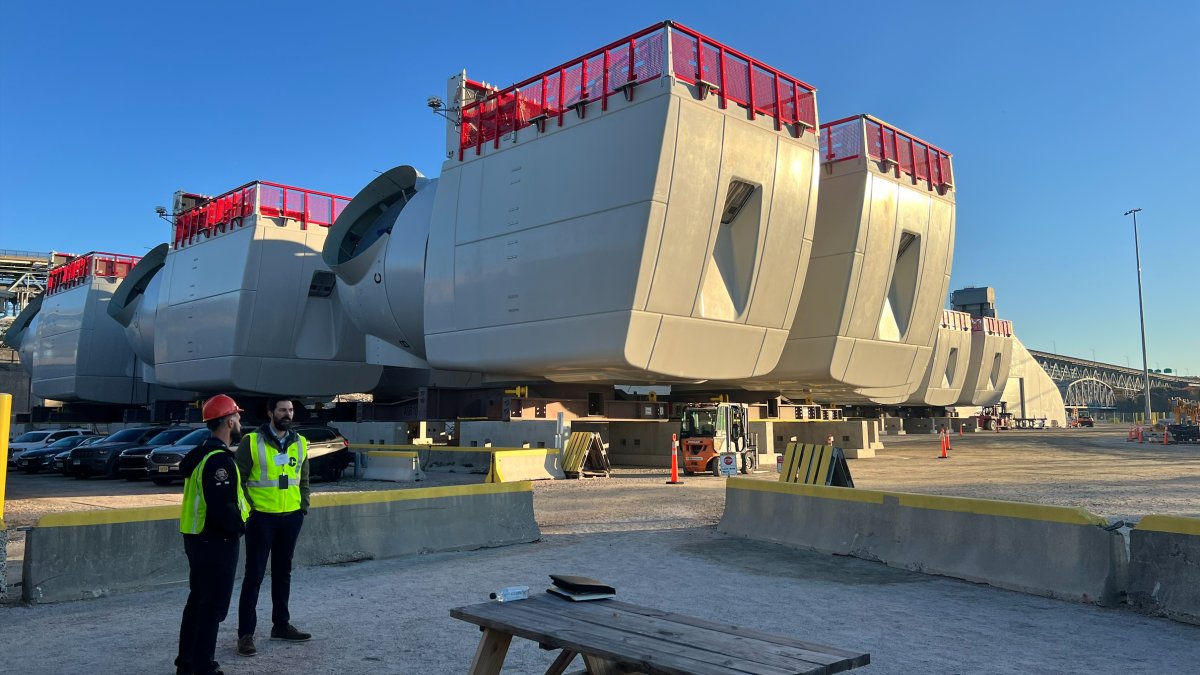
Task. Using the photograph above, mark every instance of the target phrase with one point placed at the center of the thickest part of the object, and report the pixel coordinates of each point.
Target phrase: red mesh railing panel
(319, 210)
(843, 140)
(572, 79)
(648, 57)
(270, 200)
(764, 91)
(737, 79)
(684, 60)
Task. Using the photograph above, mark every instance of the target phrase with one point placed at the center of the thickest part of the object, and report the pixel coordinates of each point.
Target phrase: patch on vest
(292, 461)
(221, 475)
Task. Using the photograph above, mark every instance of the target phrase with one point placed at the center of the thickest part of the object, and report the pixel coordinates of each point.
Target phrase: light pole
(1141, 312)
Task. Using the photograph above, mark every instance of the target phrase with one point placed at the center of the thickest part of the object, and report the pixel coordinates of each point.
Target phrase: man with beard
(212, 519)
(273, 461)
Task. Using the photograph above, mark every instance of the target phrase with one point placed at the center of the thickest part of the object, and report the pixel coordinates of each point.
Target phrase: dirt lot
(656, 543)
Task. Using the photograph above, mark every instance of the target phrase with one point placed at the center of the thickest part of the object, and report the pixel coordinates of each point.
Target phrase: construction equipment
(710, 429)
(994, 417)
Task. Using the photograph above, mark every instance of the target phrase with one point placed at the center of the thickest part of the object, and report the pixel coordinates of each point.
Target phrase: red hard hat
(219, 406)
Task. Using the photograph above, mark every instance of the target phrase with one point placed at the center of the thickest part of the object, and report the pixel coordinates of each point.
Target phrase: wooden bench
(616, 637)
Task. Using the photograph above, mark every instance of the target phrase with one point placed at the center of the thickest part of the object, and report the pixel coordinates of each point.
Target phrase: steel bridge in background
(23, 277)
(1092, 384)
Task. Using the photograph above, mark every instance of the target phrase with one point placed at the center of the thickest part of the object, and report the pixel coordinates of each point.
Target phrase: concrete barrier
(1164, 567)
(525, 464)
(402, 466)
(87, 554)
(1051, 551)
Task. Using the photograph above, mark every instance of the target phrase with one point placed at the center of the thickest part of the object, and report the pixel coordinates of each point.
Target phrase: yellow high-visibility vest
(275, 487)
(195, 508)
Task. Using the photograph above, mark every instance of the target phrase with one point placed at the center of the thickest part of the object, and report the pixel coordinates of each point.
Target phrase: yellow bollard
(5, 418)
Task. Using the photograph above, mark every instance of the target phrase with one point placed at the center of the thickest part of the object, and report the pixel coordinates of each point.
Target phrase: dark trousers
(268, 535)
(212, 563)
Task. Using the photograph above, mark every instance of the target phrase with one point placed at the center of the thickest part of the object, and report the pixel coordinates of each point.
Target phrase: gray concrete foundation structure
(858, 439)
(72, 556)
(1052, 551)
(1164, 567)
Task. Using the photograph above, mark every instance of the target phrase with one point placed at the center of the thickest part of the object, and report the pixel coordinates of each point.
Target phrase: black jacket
(219, 483)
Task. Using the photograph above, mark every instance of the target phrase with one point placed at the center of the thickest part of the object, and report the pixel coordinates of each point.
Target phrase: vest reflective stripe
(195, 509)
(265, 475)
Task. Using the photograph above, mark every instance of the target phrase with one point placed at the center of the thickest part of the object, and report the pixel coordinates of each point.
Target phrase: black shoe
(291, 634)
(245, 646)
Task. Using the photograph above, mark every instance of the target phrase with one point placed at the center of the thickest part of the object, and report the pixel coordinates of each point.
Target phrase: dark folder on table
(580, 588)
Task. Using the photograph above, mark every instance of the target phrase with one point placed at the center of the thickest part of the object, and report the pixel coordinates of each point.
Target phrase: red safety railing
(635, 59)
(956, 320)
(227, 211)
(77, 271)
(992, 326)
(850, 137)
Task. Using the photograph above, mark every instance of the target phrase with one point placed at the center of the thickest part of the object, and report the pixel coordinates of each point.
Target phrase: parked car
(32, 440)
(59, 462)
(33, 461)
(162, 463)
(328, 455)
(100, 459)
(328, 451)
(131, 463)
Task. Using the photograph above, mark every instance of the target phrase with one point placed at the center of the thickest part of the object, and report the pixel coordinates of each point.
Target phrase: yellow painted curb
(325, 499)
(996, 507)
(822, 491)
(1172, 524)
(109, 516)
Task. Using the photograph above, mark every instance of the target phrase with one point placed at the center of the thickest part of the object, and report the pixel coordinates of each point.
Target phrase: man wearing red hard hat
(212, 520)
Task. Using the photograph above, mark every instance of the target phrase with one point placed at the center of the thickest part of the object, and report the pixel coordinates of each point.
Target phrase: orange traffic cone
(960, 428)
(945, 447)
(674, 461)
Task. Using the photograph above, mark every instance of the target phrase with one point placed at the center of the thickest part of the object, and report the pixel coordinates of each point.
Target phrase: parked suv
(32, 440)
(100, 459)
(162, 464)
(328, 451)
(61, 464)
(328, 455)
(131, 463)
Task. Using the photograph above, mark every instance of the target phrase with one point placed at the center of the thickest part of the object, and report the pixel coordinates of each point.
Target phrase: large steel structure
(640, 214)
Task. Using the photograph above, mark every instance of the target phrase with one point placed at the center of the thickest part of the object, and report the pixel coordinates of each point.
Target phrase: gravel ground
(656, 543)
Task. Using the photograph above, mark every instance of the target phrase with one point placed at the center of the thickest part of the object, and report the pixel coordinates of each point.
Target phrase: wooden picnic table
(617, 637)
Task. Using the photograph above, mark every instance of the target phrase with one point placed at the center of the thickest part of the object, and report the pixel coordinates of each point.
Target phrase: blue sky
(1061, 116)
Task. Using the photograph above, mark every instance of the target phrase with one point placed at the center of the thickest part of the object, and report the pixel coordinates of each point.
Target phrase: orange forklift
(709, 429)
